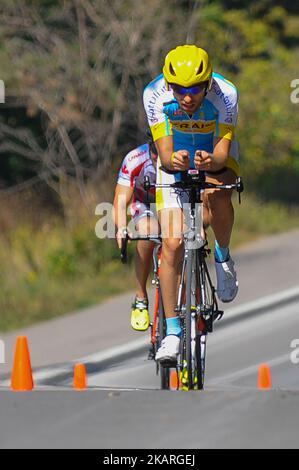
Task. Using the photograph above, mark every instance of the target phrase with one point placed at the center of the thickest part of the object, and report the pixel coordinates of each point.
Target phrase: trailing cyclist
(129, 191)
(192, 113)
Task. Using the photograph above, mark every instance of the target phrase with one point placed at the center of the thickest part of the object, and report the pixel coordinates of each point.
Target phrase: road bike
(197, 305)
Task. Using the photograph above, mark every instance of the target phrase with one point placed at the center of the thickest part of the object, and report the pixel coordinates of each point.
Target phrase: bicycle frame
(197, 305)
(198, 310)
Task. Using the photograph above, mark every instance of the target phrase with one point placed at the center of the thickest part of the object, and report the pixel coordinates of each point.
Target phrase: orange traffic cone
(264, 377)
(21, 379)
(80, 377)
(174, 382)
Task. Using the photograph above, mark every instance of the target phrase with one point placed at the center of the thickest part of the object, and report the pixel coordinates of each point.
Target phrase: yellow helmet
(187, 66)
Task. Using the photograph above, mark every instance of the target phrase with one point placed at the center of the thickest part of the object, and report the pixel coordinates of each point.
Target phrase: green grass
(52, 271)
(55, 271)
(45, 297)
(255, 219)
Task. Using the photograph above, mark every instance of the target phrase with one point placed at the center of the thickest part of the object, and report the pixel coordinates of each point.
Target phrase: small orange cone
(264, 377)
(21, 379)
(174, 380)
(80, 377)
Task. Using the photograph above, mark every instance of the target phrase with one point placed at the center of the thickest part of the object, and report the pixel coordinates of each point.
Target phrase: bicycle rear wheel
(194, 355)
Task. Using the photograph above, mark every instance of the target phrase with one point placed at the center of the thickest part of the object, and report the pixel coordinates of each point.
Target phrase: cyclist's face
(190, 99)
(189, 102)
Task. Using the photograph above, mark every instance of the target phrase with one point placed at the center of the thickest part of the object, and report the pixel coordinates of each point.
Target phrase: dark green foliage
(86, 64)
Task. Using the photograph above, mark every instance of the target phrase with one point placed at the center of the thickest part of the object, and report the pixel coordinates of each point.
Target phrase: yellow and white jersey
(217, 116)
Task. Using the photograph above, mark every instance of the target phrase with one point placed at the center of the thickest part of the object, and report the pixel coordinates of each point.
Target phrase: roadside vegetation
(74, 75)
(49, 269)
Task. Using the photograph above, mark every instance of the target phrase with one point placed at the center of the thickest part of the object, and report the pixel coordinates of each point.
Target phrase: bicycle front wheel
(189, 331)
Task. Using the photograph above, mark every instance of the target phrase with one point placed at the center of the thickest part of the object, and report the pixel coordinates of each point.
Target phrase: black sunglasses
(192, 90)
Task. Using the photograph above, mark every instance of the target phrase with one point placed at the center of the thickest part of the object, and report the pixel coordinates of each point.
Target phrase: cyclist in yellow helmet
(192, 112)
(187, 66)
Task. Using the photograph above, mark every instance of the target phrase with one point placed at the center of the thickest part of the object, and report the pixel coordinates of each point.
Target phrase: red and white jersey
(136, 165)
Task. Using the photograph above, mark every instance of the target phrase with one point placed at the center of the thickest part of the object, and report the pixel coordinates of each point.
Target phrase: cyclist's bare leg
(220, 207)
(171, 222)
(206, 215)
(144, 253)
(222, 221)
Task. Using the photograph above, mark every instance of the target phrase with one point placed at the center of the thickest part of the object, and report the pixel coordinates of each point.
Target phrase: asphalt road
(266, 266)
(124, 407)
(150, 419)
(234, 355)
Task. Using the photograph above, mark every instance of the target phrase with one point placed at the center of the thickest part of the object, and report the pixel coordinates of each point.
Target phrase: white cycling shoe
(169, 349)
(227, 283)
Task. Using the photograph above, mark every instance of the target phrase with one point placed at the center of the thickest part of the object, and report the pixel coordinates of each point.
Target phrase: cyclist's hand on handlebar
(120, 235)
(203, 160)
(181, 160)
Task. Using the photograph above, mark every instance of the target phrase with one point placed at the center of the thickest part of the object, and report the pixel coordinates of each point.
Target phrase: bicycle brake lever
(123, 253)
(147, 187)
(146, 183)
(240, 187)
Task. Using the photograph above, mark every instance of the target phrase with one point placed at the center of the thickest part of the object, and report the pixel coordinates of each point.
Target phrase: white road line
(114, 353)
(265, 303)
(49, 373)
(251, 370)
(117, 351)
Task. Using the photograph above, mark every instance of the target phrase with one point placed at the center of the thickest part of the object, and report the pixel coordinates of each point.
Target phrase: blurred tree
(79, 68)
